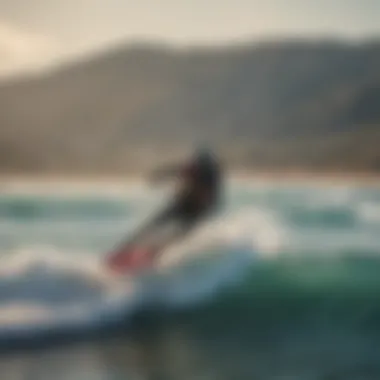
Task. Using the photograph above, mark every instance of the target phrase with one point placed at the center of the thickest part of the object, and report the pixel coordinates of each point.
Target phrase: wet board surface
(143, 254)
(131, 260)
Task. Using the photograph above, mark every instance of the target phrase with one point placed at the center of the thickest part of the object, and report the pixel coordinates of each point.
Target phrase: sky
(37, 33)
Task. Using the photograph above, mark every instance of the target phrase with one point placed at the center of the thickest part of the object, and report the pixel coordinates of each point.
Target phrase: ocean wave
(43, 293)
(48, 294)
(272, 259)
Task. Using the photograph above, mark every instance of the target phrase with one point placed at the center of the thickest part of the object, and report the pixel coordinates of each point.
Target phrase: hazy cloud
(21, 50)
(84, 25)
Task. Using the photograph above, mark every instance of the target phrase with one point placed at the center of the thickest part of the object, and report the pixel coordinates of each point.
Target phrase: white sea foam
(369, 212)
(52, 274)
(42, 289)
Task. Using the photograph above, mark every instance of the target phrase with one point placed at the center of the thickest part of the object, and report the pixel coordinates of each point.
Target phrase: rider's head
(203, 153)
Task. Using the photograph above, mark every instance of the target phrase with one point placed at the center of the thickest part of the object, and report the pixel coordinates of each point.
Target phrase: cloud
(22, 51)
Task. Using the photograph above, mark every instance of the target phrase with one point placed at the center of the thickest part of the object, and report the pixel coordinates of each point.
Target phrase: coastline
(338, 177)
(120, 182)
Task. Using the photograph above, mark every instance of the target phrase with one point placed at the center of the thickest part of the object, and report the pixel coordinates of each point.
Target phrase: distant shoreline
(303, 176)
(344, 178)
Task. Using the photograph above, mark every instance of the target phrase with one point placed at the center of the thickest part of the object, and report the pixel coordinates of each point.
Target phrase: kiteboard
(131, 260)
(142, 255)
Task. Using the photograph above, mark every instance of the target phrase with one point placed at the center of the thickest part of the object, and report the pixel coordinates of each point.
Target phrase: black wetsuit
(198, 198)
(200, 194)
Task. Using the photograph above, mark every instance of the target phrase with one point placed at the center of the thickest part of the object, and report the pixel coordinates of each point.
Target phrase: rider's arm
(172, 171)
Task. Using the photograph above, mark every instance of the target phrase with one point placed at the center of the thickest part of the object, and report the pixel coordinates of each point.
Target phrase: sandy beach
(118, 183)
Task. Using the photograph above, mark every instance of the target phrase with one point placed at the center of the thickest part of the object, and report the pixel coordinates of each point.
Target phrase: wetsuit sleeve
(182, 171)
(165, 173)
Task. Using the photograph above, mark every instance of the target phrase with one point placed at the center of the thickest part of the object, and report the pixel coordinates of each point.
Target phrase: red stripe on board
(131, 260)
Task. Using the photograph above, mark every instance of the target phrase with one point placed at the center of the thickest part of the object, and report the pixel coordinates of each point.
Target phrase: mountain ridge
(270, 105)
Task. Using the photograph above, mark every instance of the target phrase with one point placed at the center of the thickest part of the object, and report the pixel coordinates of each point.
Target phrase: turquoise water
(283, 284)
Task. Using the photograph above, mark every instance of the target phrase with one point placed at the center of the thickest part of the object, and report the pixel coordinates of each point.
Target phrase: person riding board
(198, 197)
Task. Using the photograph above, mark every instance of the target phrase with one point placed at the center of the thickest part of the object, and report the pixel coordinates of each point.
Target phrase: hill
(296, 104)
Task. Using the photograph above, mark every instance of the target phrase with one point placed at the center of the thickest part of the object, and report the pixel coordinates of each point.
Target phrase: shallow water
(284, 284)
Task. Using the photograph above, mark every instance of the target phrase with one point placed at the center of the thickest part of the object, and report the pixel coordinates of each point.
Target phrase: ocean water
(284, 283)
